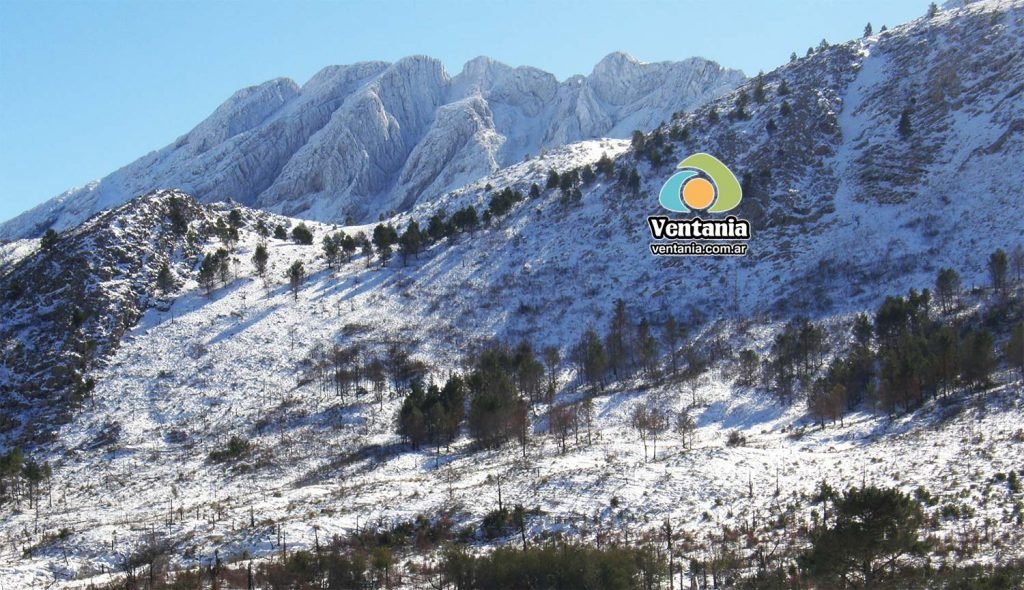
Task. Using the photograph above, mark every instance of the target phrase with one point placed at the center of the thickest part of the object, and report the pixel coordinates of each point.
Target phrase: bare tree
(1017, 261)
(639, 420)
(686, 427)
(560, 419)
(657, 422)
(585, 415)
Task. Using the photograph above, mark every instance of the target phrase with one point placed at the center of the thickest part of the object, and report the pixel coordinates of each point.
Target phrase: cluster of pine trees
(215, 269)
(493, 398)
(653, 147)
(500, 387)
(627, 348)
(557, 565)
(21, 478)
(914, 348)
(413, 239)
(433, 416)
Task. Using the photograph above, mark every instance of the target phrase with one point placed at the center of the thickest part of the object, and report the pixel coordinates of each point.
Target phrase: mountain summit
(369, 138)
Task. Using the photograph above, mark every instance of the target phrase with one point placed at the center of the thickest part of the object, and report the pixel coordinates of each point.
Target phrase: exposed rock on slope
(66, 307)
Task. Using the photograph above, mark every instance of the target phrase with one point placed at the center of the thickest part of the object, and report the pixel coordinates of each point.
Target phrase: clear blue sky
(90, 85)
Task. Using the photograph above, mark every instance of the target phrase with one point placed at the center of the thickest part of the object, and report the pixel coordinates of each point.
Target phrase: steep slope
(66, 307)
(370, 138)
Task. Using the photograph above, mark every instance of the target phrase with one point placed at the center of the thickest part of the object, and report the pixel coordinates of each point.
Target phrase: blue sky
(88, 86)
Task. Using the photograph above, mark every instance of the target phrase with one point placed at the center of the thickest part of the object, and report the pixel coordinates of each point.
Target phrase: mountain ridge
(340, 145)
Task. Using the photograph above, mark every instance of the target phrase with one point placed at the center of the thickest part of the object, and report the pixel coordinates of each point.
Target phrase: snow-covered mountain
(846, 209)
(369, 138)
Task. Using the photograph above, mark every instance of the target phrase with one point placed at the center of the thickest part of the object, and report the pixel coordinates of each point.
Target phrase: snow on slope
(373, 137)
(828, 240)
(12, 252)
(196, 372)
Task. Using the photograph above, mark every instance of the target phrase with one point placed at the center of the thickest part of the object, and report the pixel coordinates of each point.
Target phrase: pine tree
(224, 265)
(947, 288)
(871, 529)
(235, 219)
(617, 341)
(1015, 349)
(587, 175)
(671, 335)
(165, 279)
(366, 248)
(567, 181)
(638, 141)
(868, 30)
(759, 92)
(553, 179)
(437, 228)
(280, 233)
(349, 245)
(904, 126)
(997, 268)
(591, 360)
(465, 219)
(749, 363)
(296, 276)
(646, 348)
(332, 250)
(784, 109)
(977, 361)
(302, 234)
(177, 217)
(49, 240)
(605, 165)
(262, 230)
(793, 57)
(384, 237)
(551, 360)
(208, 271)
(740, 109)
(933, 10)
(260, 257)
(411, 241)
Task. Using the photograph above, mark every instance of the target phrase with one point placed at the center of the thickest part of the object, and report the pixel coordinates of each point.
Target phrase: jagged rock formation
(372, 137)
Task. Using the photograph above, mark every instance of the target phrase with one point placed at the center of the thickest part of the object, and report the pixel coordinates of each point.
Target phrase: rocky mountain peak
(340, 145)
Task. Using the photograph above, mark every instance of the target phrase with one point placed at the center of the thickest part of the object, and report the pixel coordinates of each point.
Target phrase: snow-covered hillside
(845, 210)
(134, 463)
(374, 137)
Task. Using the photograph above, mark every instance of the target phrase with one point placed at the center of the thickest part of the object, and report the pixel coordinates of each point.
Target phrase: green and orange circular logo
(702, 183)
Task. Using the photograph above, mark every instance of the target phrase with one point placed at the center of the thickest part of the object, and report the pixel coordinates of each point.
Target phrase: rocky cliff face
(369, 138)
